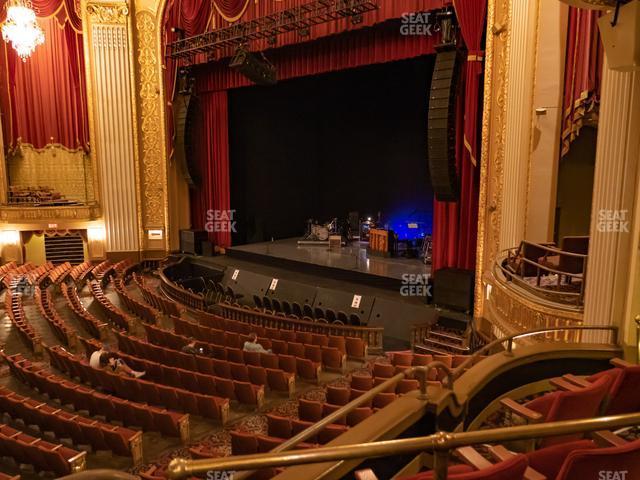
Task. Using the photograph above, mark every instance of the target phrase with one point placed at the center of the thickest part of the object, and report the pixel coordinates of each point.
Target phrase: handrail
(441, 443)
(469, 361)
(423, 374)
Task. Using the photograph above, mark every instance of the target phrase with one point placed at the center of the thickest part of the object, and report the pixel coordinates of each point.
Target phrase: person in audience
(191, 348)
(117, 365)
(94, 359)
(252, 344)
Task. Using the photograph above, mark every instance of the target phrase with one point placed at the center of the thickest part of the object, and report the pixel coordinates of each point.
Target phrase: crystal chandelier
(21, 28)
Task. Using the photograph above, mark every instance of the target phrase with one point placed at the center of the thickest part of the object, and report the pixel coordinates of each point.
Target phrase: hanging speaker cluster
(259, 70)
(185, 116)
(441, 126)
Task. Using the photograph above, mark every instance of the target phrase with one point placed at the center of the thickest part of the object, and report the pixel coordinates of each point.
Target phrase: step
(446, 337)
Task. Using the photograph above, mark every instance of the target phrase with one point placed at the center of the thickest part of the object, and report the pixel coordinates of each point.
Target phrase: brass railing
(440, 443)
(100, 474)
(459, 370)
(422, 372)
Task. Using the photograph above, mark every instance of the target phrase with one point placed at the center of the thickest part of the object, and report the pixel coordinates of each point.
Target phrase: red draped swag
(583, 70)
(455, 225)
(44, 99)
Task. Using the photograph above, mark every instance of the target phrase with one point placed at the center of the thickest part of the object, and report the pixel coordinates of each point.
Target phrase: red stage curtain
(45, 97)
(583, 71)
(212, 152)
(471, 15)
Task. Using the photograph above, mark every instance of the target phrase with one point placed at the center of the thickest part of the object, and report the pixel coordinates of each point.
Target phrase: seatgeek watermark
(220, 221)
(216, 475)
(416, 24)
(613, 475)
(415, 285)
(613, 221)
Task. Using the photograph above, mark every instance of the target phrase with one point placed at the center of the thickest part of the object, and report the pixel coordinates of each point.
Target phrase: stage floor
(351, 259)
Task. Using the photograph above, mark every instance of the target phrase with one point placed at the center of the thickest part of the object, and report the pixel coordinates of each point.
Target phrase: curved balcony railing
(559, 293)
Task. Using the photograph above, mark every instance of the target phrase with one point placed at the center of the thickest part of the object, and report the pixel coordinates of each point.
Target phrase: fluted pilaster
(519, 115)
(613, 208)
(113, 129)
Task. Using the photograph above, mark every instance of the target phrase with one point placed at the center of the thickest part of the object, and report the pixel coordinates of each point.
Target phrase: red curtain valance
(44, 99)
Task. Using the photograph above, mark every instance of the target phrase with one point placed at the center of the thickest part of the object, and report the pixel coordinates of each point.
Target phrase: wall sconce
(11, 247)
(96, 242)
(10, 237)
(96, 234)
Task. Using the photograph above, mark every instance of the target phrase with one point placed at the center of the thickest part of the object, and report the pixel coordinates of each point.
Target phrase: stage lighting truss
(298, 19)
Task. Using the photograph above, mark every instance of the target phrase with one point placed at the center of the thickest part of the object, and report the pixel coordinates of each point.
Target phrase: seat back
(511, 469)
(587, 463)
(623, 393)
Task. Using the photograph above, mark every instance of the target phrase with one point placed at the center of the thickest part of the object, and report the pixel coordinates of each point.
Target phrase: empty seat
(361, 382)
(309, 410)
(278, 426)
(383, 370)
(338, 395)
(307, 369)
(243, 443)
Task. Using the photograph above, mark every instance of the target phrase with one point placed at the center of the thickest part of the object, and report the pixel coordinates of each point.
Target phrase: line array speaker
(441, 126)
(186, 111)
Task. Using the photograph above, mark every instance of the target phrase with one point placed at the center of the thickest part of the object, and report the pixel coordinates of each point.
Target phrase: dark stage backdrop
(325, 145)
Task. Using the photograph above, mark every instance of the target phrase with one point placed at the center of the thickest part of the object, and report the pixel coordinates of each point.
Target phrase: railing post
(509, 347)
(441, 456)
(423, 374)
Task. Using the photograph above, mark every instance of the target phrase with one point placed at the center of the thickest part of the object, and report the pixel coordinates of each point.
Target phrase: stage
(350, 263)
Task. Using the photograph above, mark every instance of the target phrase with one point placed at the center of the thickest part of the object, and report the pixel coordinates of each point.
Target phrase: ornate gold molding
(108, 13)
(153, 171)
(512, 312)
(493, 141)
(28, 214)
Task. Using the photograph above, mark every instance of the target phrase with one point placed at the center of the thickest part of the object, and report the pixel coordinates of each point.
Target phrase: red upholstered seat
(257, 375)
(328, 409)
(383, 370)
(623, 392)
(358, 415)
(581, 464)
(338, 395)
(401, 358)
(331, 432)
(307, 369)
(548, 461)
(279, 380)
(362, 382)
(309, 410)
(287, 363)
(243, 443)
(355, 348)
(570, 405)
(511, 469)
(278, 426)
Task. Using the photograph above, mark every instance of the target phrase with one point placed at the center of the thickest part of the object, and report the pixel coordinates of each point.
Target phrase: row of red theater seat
(15, 310)
(363, 383)
(78, 273)
(304, 368)
(80, 430)
(166, 306)
(93, 325)
(120, 267)
(102, 270)
(240, 389)
(314, 411)
(353, 347)
(44, 456)
(39, 273)
(65, 332)
(59, 273)
(112, 408)
(16, 273)
(140, 390)
(285, 428)
(331, 357)
(275, 378)
(146, 312)
(116, 315)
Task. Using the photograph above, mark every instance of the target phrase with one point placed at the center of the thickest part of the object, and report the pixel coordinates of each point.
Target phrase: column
(112, 122)
(521, 60)
(613, 246)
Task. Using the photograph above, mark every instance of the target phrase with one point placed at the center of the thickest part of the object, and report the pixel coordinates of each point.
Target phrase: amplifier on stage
(191, 241)
(380, 242)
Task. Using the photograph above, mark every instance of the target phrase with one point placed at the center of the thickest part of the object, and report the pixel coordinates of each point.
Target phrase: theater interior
(320, 239)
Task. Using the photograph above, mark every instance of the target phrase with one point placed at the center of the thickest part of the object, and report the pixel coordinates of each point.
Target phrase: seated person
(94, 359)
(192, 349)
(111, 361)
(252, 344)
